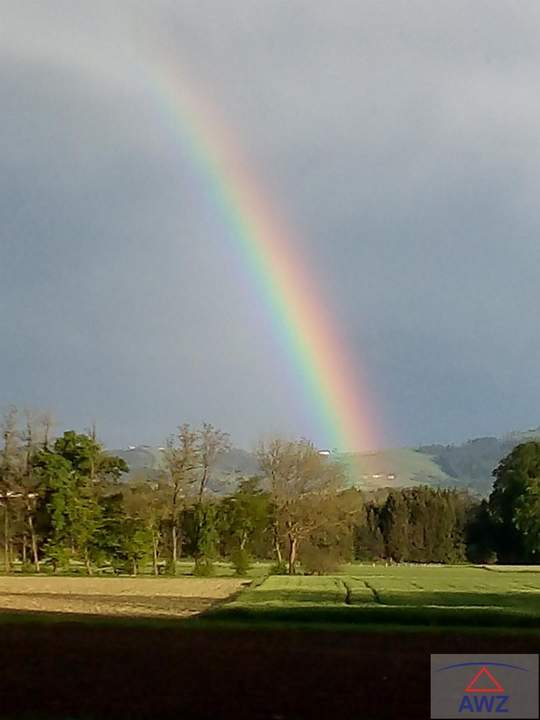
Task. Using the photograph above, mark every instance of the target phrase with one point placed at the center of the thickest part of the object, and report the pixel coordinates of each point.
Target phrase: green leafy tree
(207, 535)
(73, 473)
(57, 478)
(85, 520)
(245, 516)
(145, 506)
(527, 519)
(244, 519)
(136, 542)
(109, 540)
(88, 459)
(514, 489)
(125, 533)
(81, 451)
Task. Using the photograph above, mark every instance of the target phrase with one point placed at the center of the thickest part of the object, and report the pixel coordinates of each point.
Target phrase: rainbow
(280, 274)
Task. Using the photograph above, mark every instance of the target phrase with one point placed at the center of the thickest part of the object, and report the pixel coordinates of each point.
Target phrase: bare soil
(140, 597)
(83, 670)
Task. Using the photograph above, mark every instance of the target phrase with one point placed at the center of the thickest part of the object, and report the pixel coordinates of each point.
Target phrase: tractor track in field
(346, 588)
(374, 592)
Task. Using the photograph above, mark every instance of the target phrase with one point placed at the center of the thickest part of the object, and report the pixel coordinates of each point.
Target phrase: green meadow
(459, 596)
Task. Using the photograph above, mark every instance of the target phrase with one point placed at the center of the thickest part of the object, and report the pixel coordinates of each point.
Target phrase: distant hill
(468, 466)
(399, 467)
(472, 463)
(145, 461)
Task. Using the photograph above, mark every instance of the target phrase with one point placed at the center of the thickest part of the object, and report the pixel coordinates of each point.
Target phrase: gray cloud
(401, 141)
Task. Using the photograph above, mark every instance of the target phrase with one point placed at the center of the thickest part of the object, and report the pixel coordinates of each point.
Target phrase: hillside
(146, 462)
(469, 465)
(394, 468)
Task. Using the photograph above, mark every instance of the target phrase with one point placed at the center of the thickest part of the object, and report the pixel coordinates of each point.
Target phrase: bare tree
(9, 474)
(47, 425)
(18, 485)
(304, 489)
(189, 459)
(34, 426)
(181, 461)
(210, 442)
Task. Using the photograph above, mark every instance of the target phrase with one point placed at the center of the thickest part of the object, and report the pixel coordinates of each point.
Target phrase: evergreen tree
(369, 541)
(395, 527)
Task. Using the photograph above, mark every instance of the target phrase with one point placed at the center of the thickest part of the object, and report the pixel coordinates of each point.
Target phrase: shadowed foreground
(83, 670)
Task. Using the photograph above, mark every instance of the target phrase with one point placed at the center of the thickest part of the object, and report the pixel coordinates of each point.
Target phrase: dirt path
(80, 670)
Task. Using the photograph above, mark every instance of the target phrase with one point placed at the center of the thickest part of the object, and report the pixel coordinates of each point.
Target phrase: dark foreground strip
(473, 617)
(80, 670)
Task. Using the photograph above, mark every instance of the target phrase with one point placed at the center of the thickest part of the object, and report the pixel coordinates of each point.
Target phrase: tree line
(65, 505)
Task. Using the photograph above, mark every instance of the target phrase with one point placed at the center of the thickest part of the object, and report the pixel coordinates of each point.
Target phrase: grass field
(361, 595)
(420, 595)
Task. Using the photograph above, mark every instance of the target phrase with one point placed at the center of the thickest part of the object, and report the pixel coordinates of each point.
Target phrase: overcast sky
(401, 141)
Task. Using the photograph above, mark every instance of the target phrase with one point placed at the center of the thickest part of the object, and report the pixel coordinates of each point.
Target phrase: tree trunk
(243, 540)
(277, 548)
(155, 544)
(7, 564)
(24, 544)
(134, 566)
(293, 546)
(33, 540)
(87, 562)
(174, 543)
(204, 480)
(179, 543)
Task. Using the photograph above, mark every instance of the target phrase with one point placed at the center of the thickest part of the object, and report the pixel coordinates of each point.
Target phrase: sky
(400, 144)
